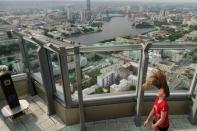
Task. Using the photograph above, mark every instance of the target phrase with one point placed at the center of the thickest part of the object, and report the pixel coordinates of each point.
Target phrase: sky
(115, 0)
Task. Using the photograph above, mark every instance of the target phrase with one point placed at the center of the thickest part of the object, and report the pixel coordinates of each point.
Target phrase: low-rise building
(132, 80)
(174, 55)
(122, 86)
(191, 36)
(131, 39)
(106, 79)
(83, 62)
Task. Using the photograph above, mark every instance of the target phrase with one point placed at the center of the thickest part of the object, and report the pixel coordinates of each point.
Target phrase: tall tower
(88, 5)
(69, 13)
(83, 15)
(88, 10)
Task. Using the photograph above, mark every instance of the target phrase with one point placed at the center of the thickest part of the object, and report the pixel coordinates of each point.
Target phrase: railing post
(138, 72)
(193, 85)
(47, 78)
(142, 77)
(79, 88)
(65, 75)
(27, 66)
(193, 111)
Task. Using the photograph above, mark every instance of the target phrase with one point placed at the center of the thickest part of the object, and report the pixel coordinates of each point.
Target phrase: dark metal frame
(79, 88)
(47, 78)
(141, 79)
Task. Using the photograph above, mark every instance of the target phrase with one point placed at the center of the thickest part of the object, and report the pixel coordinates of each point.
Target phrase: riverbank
(118, 26)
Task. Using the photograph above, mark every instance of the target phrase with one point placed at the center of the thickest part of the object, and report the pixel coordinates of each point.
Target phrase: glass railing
(105, 74)
(10, 53)
(56, 74)
(179, 67)
(31, 49)
(111, 73)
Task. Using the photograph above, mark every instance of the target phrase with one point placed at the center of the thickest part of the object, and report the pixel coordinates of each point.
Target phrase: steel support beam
(155, 46)
(142, 77)
(27, 66)
(47, 78)
(193, 114)
(26, 62)
(65, 74)
(193, 85)
(79, 88)
(139, 69)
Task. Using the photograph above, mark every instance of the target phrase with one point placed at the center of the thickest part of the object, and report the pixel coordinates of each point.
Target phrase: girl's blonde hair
(158, 79)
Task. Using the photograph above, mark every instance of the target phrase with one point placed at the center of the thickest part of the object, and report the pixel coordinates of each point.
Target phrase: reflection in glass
(10, 54)
(31, 52)
(178, 66)
(32, 55)
(106, 73)
(56, 72)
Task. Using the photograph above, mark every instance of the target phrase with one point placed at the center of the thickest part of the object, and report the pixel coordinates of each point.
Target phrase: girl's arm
(149, 117)
(150, 114)
(162, 119)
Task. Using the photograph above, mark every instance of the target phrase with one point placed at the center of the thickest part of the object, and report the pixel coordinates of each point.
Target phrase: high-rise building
(69, 15)
(88, 10)
(88, 5)
(82, 15)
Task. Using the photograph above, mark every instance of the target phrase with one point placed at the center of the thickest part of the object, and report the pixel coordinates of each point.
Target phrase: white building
(123, 86)
(90, 90)
(83, 16)
(110, 68)
(18, 66)
(83, 62)
(132, 80)
(154, 57)
(175, 55)
(133, 54)
(106, 79)
(69, 15)
(55, 34)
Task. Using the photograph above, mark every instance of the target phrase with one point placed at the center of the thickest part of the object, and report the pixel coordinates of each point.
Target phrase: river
(118, 26)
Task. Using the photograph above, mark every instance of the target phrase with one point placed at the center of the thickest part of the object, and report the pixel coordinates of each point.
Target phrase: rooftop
(53, 83)
(36, 119)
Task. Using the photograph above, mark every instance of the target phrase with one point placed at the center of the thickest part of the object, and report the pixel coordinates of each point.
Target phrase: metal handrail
(154, 46)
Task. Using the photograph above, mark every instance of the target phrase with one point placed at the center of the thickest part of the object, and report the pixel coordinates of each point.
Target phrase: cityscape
(104, 23)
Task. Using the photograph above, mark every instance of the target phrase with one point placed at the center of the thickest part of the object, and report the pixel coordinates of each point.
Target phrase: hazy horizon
(187, 1)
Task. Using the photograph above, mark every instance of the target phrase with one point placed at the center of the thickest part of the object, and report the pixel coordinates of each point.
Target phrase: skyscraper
(69, 16)
(82, 15)
(88, 10)
(88, 5)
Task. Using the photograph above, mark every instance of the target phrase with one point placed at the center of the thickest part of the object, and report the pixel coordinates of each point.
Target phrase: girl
(160, 109)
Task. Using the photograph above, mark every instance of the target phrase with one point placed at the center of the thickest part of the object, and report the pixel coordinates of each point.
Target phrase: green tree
(99, 90)
(132, 87)
(117, 80)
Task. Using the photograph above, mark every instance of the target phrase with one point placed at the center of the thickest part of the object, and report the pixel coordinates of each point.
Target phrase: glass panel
(107, 74)
(195, 91)
(72, 75)
(178, 65)
(10, 54)
(31, 52)
(56, 73)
